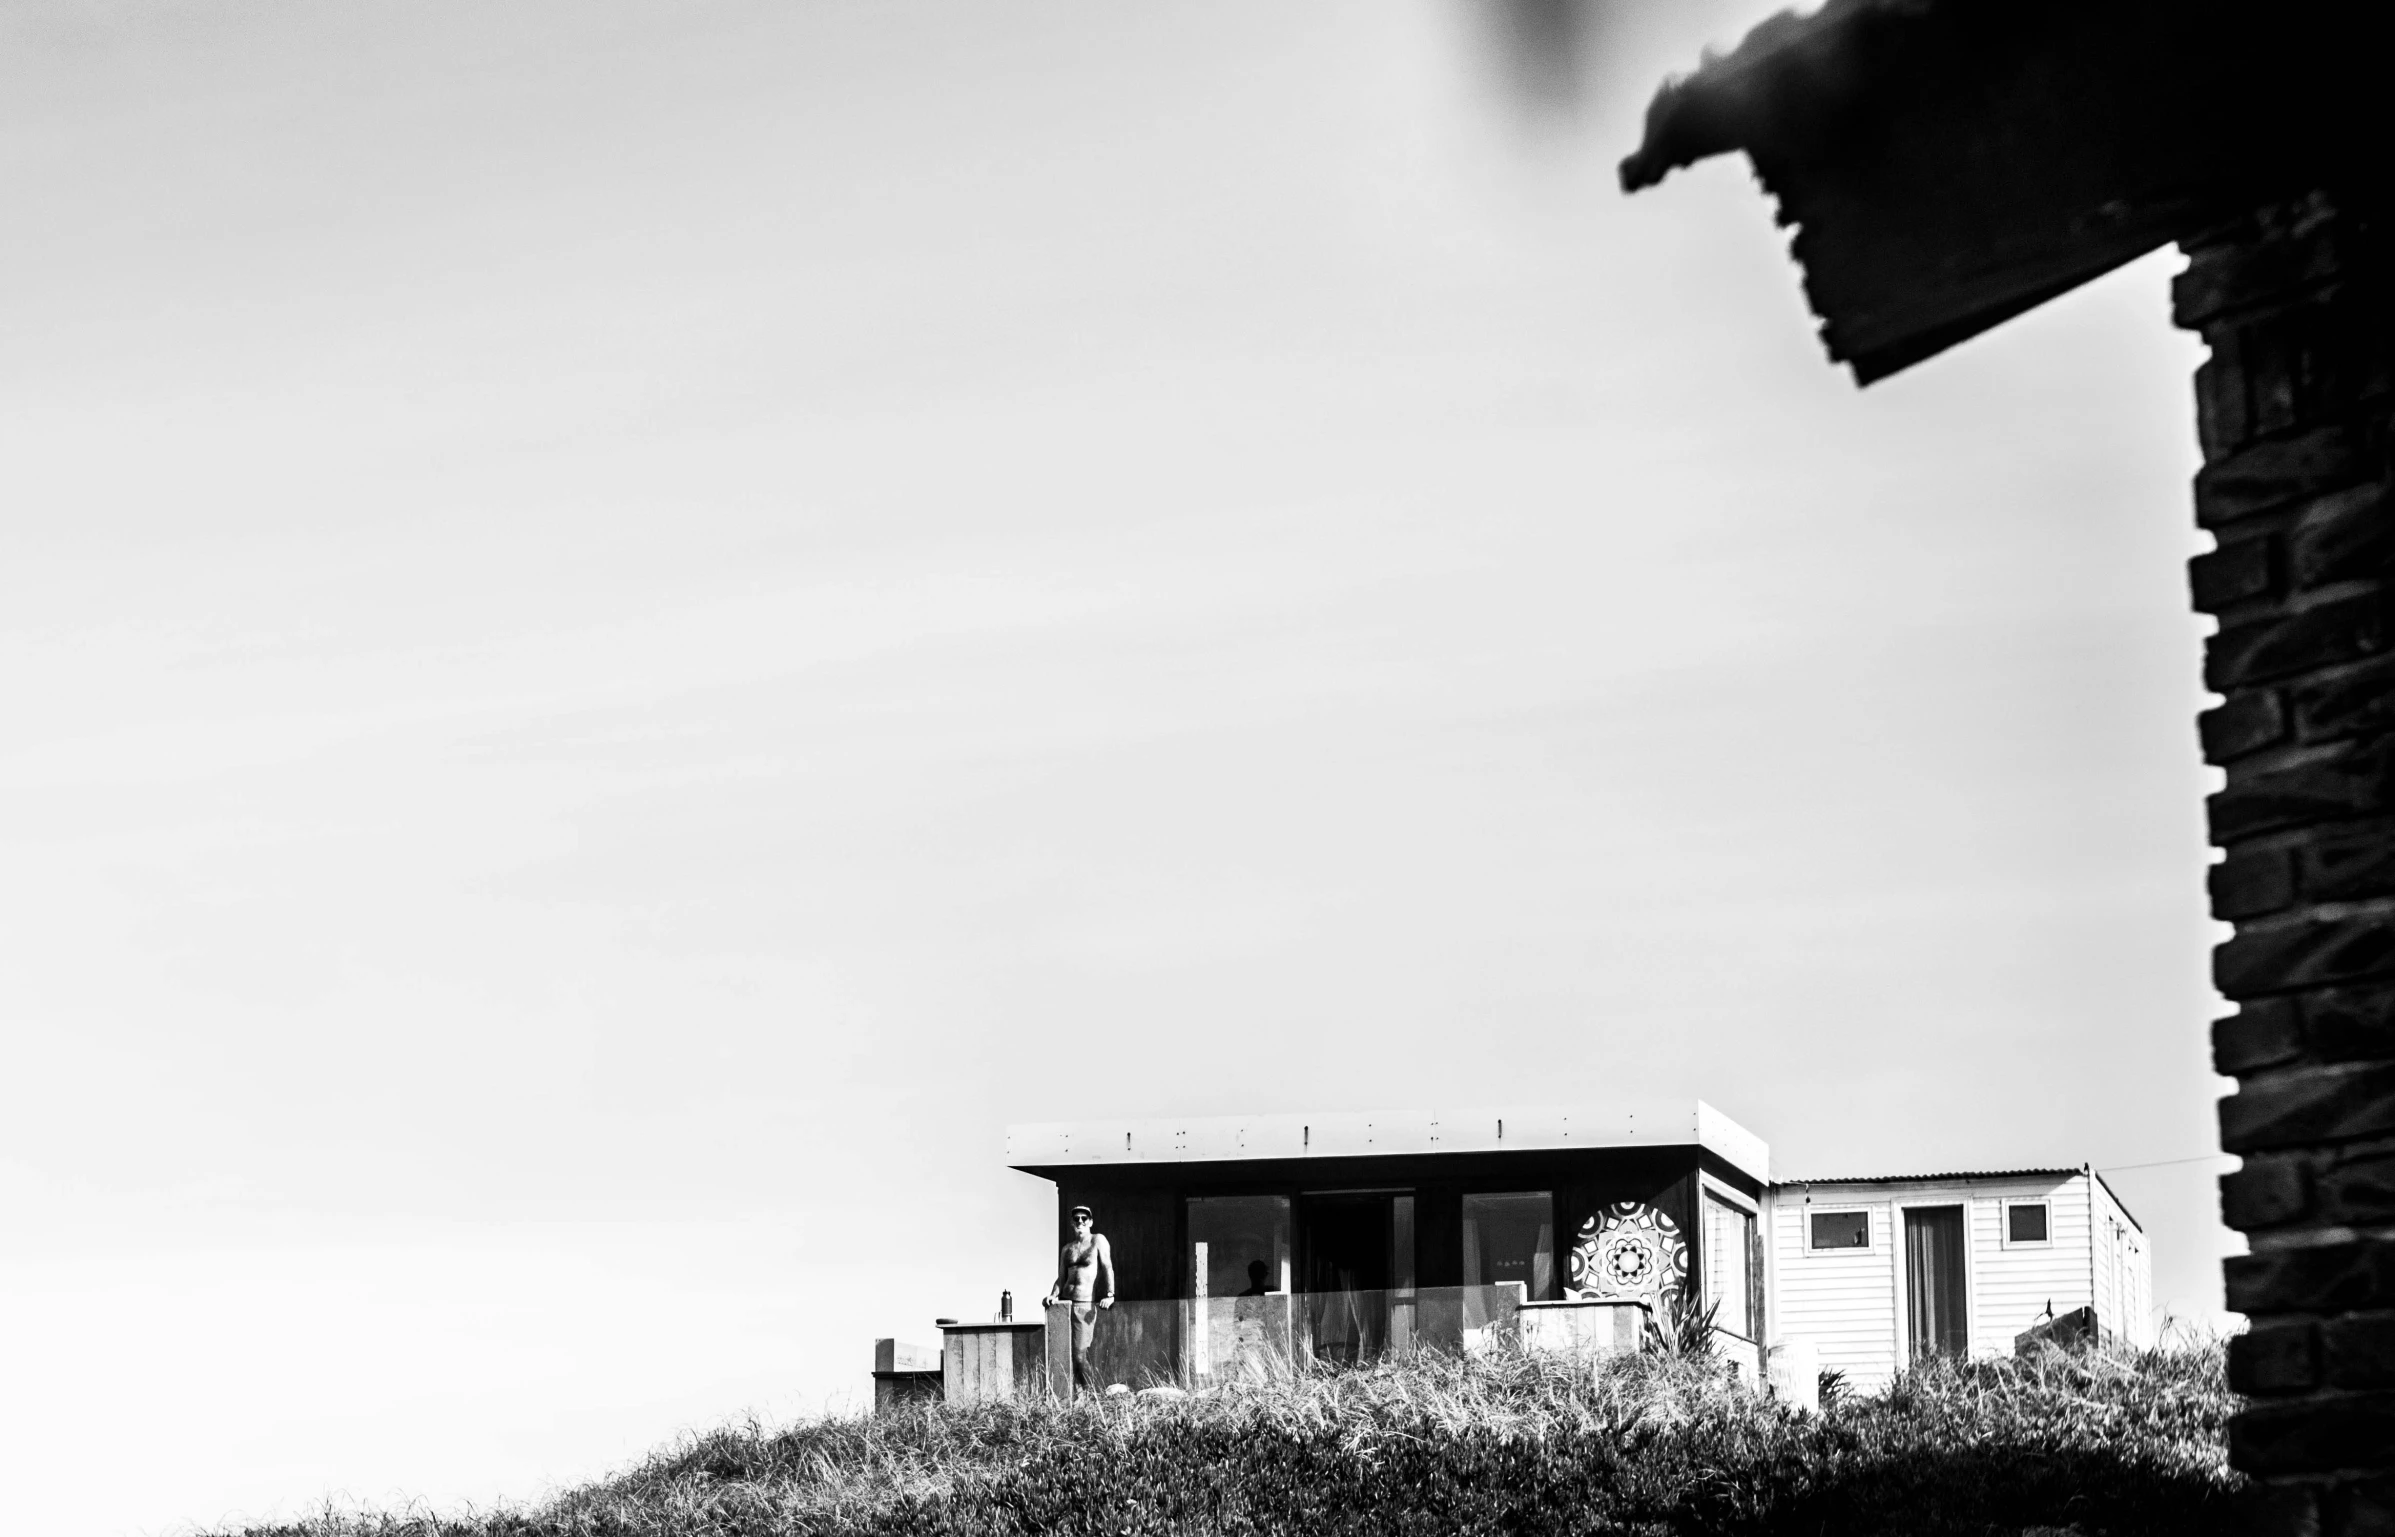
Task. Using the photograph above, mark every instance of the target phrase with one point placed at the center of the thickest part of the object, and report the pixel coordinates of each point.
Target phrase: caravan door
(1936, 1322)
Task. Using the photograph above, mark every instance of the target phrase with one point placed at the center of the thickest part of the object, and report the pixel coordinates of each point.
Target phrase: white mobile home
(1877, 1272)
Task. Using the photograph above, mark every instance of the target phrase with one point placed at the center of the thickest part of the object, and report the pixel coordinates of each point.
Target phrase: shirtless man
(1084, 1277)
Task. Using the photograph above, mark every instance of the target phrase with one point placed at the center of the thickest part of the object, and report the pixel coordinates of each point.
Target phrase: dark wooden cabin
(1637, 1201)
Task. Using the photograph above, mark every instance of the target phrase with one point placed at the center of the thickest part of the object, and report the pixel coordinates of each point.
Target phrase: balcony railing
(1201, 1341)
(1195, 1343)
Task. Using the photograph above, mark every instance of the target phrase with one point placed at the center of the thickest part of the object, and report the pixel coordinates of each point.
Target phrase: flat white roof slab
(1354, 1134)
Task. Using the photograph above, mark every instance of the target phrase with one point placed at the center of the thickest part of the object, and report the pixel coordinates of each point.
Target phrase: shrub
(2106, 1442)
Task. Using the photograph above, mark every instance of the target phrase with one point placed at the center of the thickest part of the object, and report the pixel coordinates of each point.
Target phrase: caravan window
(1838, 1230)
(2025, 1223)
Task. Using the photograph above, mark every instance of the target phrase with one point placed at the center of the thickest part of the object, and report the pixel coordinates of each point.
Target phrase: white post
(1794, 1371)
(1200, 1363)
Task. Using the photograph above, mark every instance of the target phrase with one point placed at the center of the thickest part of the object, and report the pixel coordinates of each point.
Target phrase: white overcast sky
(627, 626)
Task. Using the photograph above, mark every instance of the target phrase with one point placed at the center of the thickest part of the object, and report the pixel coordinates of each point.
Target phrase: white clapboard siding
(2014, 1285)
(2124, 1269)
(1844, 1302)
(2104, 1266)
(1851, 1303)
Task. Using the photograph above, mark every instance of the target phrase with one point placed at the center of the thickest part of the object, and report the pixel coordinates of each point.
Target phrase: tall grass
(2101, 1442)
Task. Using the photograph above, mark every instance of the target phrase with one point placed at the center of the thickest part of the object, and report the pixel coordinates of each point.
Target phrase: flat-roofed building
(1627, 1201)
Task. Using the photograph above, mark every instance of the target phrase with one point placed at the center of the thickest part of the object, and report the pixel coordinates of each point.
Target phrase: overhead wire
(2160, 1163)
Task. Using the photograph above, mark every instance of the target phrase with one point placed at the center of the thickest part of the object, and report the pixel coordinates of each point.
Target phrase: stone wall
(2295, 409)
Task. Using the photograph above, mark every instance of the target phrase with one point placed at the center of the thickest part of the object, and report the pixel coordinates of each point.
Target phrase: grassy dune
(2093, 1442)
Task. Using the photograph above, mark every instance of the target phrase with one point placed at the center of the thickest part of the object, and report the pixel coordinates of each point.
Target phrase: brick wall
(2297, 415)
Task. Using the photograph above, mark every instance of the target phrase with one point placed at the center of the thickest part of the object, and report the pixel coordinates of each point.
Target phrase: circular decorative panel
(1629, 1250)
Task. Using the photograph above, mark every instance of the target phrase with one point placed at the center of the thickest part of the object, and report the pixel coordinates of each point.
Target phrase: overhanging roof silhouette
(1949, 164)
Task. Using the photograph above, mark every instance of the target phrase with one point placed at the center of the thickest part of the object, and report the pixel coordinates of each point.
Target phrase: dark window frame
(1750, 1257)
(2044, 1206)
(1556, 1242)
(1870, 1234)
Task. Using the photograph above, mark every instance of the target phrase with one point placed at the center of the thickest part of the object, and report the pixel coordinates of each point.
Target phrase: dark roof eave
(1724, 105)
(1949, 164)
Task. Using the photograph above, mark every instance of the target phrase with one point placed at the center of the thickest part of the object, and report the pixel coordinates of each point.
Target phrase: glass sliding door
(1345, 1275)
(1356, 1268)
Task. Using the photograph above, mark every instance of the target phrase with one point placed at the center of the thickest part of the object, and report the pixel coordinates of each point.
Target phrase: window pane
(2028, 1222)
(1728, 1247)
(1238, 1245)
(1841, 1230)
(1511, 1238)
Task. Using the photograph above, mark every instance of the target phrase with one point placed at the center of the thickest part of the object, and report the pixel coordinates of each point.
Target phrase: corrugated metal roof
(1930, 1179)
(1963, 1176)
